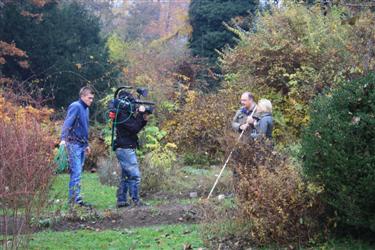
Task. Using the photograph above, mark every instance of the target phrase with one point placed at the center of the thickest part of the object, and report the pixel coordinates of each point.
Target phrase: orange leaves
(39, 3)
(10, 111)
(10, 49)
(28, 117)
(273, 197)
(35, 16)
(25, 169)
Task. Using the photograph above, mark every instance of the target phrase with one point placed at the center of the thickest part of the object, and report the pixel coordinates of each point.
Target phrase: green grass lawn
(161, 237)
(104, 197)
(154, 237)
(101, 196)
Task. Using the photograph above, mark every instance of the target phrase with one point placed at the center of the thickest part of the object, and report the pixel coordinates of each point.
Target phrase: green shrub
(157, 159)
(339, 150)
(157, 167)
(194, 159)
(294, 53)
(150, 139)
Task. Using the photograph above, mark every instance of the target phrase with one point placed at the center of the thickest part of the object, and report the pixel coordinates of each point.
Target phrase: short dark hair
(85, 91)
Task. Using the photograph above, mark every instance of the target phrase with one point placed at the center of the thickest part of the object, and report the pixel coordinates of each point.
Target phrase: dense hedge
(339, 151)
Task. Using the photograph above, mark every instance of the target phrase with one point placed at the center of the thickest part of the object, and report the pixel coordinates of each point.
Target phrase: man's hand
(88, 150)
(250, 120)
(244, 126)
(112, 115)
(142, 109)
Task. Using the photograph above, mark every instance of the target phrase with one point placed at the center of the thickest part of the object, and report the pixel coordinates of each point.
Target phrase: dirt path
(92, 219)
(133, 217)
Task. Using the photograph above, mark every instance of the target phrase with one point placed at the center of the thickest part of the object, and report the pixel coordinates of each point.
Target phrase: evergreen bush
(339, 151)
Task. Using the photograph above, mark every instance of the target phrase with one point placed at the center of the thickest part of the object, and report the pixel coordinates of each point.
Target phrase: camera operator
(126, 143)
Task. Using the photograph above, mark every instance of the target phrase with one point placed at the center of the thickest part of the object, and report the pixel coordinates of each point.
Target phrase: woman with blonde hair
(263, 121)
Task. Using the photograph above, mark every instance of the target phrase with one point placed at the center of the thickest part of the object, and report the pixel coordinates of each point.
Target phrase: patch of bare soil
(113, 219)
(133, 217)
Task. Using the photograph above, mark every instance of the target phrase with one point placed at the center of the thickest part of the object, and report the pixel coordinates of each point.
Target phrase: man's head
(87, 95)
(247, 100)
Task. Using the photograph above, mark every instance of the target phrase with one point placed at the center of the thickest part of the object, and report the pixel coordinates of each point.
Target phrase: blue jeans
(130, 175)
(76, 153)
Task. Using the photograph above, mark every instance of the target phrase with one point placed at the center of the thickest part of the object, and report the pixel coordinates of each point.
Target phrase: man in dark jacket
(74, 135)
(127, 128)
(239, 121)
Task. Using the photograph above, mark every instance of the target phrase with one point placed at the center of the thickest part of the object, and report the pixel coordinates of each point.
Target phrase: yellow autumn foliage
(296, 53)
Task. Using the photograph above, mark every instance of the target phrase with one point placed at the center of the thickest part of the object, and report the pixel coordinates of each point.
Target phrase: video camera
(124, 102)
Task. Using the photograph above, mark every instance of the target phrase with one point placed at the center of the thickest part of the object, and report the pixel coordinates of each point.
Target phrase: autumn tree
(137, 18)
(63, 47)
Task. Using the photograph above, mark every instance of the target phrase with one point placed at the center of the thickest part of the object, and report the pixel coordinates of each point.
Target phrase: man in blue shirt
(74, 135)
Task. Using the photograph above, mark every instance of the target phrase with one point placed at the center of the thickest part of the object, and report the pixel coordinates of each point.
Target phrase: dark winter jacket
(240, 118)
(127, 129)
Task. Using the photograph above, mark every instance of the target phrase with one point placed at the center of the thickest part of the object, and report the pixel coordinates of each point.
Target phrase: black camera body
(125, 102)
